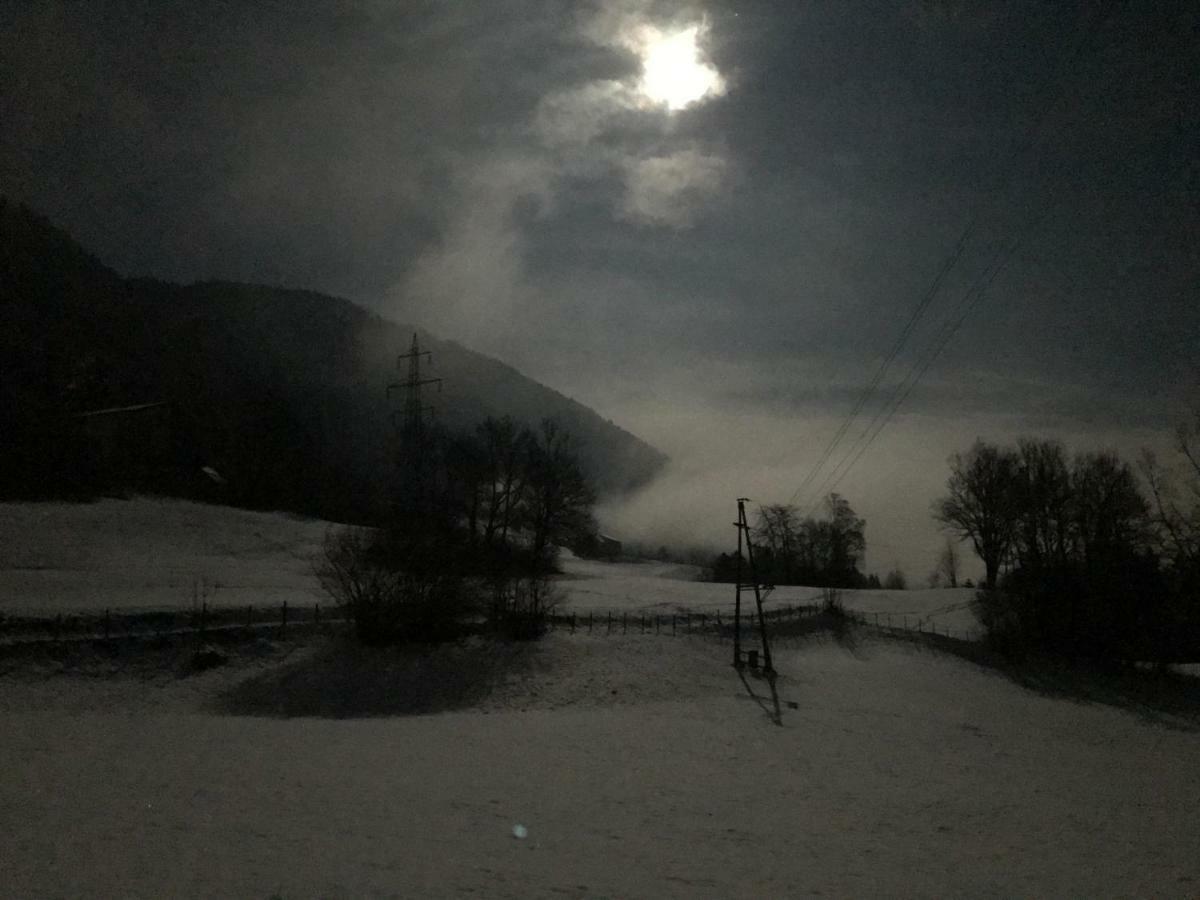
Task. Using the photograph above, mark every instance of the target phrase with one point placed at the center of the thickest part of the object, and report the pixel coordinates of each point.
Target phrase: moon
(673, 72)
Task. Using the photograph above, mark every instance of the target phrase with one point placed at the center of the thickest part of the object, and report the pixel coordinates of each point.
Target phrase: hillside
(280, 391)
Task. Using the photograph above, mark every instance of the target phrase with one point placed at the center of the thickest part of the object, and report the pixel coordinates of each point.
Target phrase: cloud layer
(497, 171)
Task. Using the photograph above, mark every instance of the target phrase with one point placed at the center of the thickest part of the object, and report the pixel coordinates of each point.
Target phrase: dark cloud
(489, 169)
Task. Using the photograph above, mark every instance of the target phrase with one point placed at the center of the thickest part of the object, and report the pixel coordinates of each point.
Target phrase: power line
(909, 326)
(1003, 178)
(900, 393)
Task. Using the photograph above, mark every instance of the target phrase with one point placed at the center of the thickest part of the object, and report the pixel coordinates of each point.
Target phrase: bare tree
(777, 527)
(979, 507)
(847, 538)
(1176, 496)
(504, 447)
(558, 498)
(1108, 511)
(949, 564)
(778, 533)
(1043, 499)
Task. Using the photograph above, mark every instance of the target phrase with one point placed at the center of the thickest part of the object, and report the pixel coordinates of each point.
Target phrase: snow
(897, 772)
(152, 553)
(638, 765)
(160, 553)
(658, 587)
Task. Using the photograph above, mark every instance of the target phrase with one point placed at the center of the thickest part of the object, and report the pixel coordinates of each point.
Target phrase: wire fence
(721, 622)
(280, 620)
(200, 620)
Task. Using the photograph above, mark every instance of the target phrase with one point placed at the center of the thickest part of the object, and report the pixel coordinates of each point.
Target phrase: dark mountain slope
(281, 391)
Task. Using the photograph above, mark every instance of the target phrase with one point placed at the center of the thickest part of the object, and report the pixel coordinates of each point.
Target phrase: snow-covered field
(668, 587)
(152, 553)
(639, 766)
(157, 553)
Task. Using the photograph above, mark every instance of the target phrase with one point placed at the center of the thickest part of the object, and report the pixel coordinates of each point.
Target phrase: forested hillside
(281, 392)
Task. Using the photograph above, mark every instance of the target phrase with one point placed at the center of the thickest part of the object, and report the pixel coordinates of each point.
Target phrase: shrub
(386, 603)
(1106, 611)
(522, 607)
(831, 603)
(1001, 619)
(350, 572)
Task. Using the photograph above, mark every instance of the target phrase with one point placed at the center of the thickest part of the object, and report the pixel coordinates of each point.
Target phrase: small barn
(597, 546)
(607, 547)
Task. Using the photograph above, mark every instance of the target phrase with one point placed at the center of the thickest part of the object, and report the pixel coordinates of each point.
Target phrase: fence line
(155, 623)
(720, 622)
(229, 620)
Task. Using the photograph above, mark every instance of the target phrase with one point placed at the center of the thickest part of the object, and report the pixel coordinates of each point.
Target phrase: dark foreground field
(640, 766)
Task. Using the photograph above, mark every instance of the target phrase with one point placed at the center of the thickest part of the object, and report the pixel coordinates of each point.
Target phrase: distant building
(598, 546)
(608, 547)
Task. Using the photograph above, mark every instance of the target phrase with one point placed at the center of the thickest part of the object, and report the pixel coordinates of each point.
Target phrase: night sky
(709, 222)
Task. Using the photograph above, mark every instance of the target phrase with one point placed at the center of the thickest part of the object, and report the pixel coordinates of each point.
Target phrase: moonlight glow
(672, 71)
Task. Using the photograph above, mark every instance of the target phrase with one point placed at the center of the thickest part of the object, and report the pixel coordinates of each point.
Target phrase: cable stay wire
(1001, 183)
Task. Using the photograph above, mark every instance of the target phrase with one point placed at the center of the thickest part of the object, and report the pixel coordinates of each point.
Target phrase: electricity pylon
(412, 458)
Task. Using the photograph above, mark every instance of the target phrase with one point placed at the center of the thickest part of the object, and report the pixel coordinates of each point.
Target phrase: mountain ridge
(282, 390)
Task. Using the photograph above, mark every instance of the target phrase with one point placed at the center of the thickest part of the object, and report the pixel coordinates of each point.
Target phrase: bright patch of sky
(673, 71)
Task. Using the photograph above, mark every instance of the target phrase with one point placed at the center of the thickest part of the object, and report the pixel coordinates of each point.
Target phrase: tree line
(475, 525)
(1078, 560)
(791, 549)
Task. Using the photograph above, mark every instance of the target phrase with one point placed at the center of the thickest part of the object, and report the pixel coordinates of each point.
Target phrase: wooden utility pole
(743, 531)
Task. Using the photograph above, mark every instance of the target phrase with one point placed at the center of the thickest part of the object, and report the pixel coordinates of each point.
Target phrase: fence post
(283, 621)
(610, 621)
(672, 624)
(624, 623)
(203, 618)
(589, 622)
(106, 619)
(572, 623)
(249, 616)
